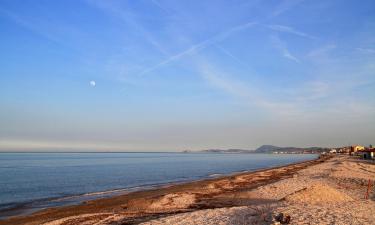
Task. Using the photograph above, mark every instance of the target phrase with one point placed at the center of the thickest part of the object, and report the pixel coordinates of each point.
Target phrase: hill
(233, 151)
(276, 149)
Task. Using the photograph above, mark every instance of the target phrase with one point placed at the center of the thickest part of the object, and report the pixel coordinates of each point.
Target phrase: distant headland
(266, 149)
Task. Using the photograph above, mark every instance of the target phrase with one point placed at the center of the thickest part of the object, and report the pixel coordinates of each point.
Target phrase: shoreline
(21, 209)
(339, 190)
(117, 202)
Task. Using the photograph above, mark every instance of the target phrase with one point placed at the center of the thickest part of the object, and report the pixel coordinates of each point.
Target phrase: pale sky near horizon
(165, 75)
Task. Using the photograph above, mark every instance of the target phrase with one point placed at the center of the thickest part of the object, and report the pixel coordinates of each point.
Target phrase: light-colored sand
(318, 194)
(173, 201)
(222, 216)
(327, 193)
(85, 219)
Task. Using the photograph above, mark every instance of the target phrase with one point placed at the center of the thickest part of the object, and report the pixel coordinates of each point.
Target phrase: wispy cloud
(291, 30)
(321, 51)
(284, 6)
(130, 19)
(245, 64)
(31, 26)
(281, 46)
(226, 52)
(199, 46)
(246, 92)
(159, 5)
(310, 91)
(322, 54)
(366, 50)
(223, 82)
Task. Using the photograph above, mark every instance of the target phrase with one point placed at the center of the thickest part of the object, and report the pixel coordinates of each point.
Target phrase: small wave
(92, 194)
(216, 175)
(107, 192)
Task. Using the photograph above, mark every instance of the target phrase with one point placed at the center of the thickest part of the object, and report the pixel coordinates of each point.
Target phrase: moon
(92, 83)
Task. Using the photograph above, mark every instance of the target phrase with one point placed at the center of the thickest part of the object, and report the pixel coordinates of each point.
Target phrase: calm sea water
(31, 181)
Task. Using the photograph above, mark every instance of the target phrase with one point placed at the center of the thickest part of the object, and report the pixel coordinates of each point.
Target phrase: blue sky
(163, 75)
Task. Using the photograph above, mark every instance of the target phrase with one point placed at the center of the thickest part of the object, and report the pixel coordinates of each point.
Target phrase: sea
(33, 181)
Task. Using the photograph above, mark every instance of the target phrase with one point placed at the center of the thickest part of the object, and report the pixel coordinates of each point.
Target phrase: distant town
(354, 150)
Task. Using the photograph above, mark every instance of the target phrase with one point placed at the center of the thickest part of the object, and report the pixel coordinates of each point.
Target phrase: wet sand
(142, 206)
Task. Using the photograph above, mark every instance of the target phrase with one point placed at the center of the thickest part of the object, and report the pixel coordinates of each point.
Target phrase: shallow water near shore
(32, 181)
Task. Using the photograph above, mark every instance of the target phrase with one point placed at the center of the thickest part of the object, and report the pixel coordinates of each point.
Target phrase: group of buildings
(356, 150)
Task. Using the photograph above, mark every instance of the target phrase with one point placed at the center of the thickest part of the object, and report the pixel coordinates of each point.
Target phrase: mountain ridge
(265, 149)
(276, 149)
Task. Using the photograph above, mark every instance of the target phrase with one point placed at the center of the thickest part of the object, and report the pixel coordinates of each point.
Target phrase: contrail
(199, 46)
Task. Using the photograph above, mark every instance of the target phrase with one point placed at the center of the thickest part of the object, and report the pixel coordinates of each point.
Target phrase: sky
(165, 75)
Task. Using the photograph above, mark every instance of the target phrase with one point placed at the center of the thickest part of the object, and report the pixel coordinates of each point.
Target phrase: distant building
(343, 150)
(367, 153)
(355, 148)
(358, 148)
(333, 150)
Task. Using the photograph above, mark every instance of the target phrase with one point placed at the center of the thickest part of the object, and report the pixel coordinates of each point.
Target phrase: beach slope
(323, 191)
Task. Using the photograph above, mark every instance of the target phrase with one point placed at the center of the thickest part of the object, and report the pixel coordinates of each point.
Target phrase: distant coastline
(266, 149)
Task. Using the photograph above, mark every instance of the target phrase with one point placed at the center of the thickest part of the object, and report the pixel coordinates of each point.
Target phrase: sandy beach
(187, 112)
(323, 191)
